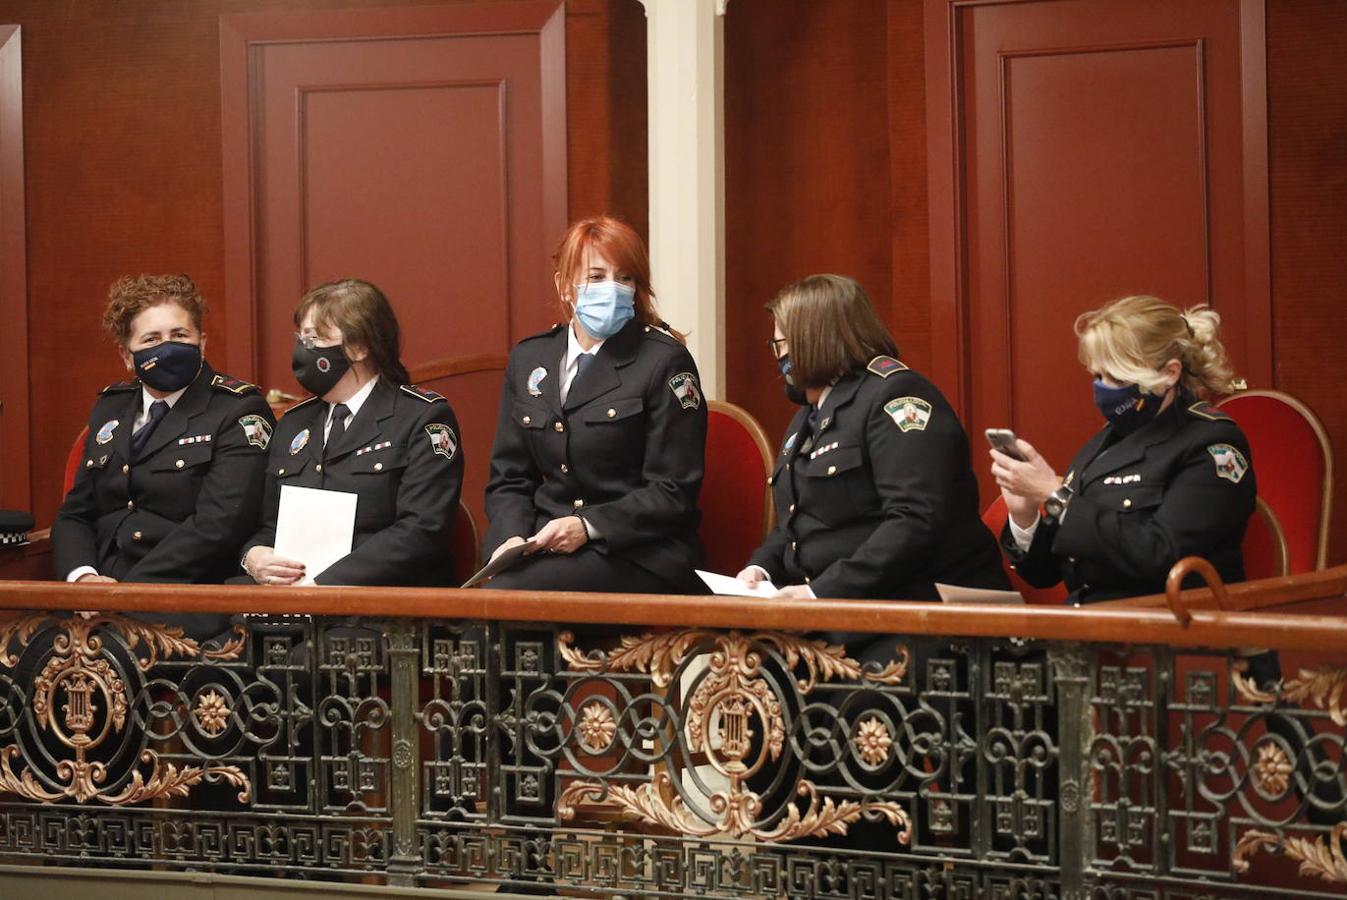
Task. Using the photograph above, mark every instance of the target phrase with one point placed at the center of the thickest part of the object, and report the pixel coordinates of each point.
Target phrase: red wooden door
(1082, 150)
(420, 148)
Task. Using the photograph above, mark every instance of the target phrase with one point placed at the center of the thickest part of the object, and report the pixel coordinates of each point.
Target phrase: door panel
(1094, 148)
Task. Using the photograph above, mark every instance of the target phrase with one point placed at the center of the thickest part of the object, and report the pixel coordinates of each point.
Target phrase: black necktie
(581, 363)
(812, 420)
(158, 409)
(338, 428)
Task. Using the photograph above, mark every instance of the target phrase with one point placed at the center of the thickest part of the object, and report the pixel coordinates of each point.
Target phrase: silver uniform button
(1127, 503)
(527, 420)
(611, 413)
(318, 468)
(280, 471)
(559, 427)
(136, 536)
(578, 503)
(792, 508)
(378, 467)
(832, 470)
(179, 464)
(130, 504)
(88, 464)
(126, 470)
(565, 469)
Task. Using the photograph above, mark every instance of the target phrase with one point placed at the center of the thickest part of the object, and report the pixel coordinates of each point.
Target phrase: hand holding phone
(1004, 439)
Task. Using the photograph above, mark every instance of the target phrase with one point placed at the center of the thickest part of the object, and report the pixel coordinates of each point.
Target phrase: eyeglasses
(772, 345)
(310, 341)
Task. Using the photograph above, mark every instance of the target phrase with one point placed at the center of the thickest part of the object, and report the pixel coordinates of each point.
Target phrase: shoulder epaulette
(542, 334)
(421, 393)
(233, 385)
(884, 366)
(120, 386)
(1204, 410)
(305, 402)
(660, 330)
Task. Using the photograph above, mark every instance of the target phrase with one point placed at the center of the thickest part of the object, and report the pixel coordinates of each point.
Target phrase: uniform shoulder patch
(685, 388)
(233, 385)
(884, 366)
(1204, 410)
(256, 430)
(443, 441)
(1230, 463)
(909, 413)
(120, 386)
(421, 393)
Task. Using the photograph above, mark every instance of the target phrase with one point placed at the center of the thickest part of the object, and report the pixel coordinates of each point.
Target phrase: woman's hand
(752, 576)
(1024, 485)
(506, 545)
(91, 578)
(565, 535)
(267, 568)
(795, 592)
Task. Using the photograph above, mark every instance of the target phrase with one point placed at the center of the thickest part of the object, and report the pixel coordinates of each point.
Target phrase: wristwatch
(1056, 503)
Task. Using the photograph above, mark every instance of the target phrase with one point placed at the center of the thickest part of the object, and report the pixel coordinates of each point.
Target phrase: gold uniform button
(565, 469)
(1127, 503)
(88, 464)
(792, 508)
(130, 504)
(378, 467)
(280, 471)
(318, 468)
(792, 546)
(559, 427)
(832, 470)
(612, 413)
(126, 470)
(527, 420)
(578, 503)
(179, 464)
(136, 536)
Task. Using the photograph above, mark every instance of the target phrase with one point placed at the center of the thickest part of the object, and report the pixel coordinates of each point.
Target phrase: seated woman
(1169, 476)
(874, 491)
(602, 431)
(368, 432)
(170, 482)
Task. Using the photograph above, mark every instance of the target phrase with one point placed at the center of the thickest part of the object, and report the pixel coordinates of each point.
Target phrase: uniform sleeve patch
(909, 413)
(1230, 463)
(442, 440)
(685, 388)
(421, 393)
(257, 430)
(884, 366)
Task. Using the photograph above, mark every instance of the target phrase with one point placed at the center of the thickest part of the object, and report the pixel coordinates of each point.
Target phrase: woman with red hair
(600, 443)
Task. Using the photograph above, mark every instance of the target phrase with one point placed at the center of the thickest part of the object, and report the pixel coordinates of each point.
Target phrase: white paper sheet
(952, 593)
(724, 584)
(314, 527)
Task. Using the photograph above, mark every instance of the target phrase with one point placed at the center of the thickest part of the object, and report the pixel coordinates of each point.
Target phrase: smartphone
(1003, 439)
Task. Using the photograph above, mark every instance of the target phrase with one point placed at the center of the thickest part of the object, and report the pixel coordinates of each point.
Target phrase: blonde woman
(1169, 476)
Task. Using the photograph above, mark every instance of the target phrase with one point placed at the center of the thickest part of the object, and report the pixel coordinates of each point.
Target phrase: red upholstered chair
(1294, 462)
(73, 460)
(1265, 551)
(736, 502)
(994, 517)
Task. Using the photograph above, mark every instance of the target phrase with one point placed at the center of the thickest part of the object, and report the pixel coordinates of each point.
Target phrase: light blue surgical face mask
(603, 307)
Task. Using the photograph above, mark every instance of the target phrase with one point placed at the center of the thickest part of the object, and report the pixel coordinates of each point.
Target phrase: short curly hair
(128, 297)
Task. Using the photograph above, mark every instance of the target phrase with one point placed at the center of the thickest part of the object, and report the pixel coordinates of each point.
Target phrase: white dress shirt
(569, 369)
(353, 404)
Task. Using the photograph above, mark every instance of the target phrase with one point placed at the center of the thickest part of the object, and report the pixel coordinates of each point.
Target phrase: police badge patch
(909, 413)
(442, 440)
(684, 386)
(1230, 463)
(300, 442)
(256, 430)
(105, 433)
(536, 378)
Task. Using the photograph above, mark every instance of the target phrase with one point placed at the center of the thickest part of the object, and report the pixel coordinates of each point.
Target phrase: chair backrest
(994, 517)
(464, 545)
(73, 460)
(736, 501)
(1294, 462)
(1264, 547)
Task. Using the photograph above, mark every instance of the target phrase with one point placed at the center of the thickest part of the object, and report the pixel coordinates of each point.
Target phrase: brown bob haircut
(128, 297)
(360, 312)
(831, 328)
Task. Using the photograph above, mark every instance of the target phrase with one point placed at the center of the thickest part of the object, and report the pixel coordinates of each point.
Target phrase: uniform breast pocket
(530, 416)
(375, 478)
(836, 485)
(193, 458)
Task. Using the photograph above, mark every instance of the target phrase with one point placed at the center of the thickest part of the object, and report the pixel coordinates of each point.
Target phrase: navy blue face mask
(793, 392)
(1126, 408)
(168, 366)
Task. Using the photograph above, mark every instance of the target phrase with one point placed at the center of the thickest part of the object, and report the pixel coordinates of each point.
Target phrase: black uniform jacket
(1182, 485)
(181, 510)
(625, 451)
(882, 502)
(401, 455)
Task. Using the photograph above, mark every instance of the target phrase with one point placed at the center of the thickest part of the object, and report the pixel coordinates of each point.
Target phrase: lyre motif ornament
(82, 699)
(732, 705)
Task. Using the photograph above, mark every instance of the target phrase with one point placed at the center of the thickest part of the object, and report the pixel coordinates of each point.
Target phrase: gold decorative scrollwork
(80, 672)
(1323, 687)
(1318, 858)
(729, 699)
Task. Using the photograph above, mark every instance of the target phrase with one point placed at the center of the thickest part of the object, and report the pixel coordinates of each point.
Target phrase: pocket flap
(612, 411)
(835, 462)
(182, 457)
(529, 415)
(379, 461)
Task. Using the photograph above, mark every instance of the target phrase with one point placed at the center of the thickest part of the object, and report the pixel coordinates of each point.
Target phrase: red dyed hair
(617, 242)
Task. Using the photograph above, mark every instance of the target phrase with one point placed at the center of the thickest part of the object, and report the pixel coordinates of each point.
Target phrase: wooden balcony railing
(627, 745)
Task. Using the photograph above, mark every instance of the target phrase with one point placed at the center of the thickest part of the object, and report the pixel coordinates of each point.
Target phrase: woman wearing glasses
(874, 492)
(367, 432)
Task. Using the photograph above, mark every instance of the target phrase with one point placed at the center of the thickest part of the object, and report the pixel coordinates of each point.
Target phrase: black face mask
(169, 366)
(794, 393)
(318, 369)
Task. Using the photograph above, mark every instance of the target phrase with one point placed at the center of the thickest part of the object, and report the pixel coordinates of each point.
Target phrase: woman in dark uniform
(1169, 476)
(600, 442)
(368, 432)
(171, 477)
(874, 492)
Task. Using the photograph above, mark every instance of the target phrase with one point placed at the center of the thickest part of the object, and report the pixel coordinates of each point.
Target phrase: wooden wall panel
(1307, 122)
(14, 393)
(124, 170)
